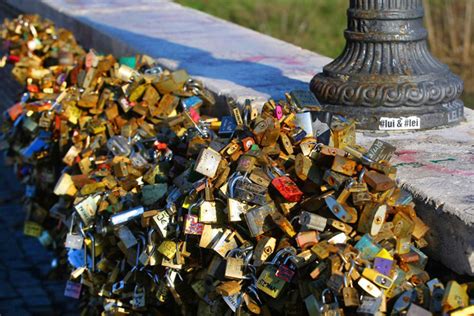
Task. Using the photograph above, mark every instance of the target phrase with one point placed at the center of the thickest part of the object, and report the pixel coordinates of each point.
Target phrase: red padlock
(287, 188)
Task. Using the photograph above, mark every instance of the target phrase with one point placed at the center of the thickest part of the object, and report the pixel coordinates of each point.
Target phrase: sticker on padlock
(268, 283)
(367, 247)
(380, 150)
(236, 210)
(286, 270)
(192, 226)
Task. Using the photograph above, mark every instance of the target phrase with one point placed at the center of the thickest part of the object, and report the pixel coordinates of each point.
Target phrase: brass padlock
(234, 268)
(207, 162)
(349, 293)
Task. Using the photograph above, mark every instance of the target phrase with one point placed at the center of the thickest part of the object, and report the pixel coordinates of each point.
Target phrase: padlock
(208, 212)
(286, 270)
(378, 182)
(403, 225)
(367, 247)
(343, 134)
(322, 249)
(234, 268)
(344, 165)
(168, 249)
(236, 210)
(312, 221)
(306, 239)
(349, 293)
(207, 162)
(249, 192)
(383, 262)
(380, 150)
(73, 289)
(287, 188)
(345, 213)
(125, 216)
(259, 219)
(161, 221)
(264, 249)
(377, 278)
(372, 219)
(126, 236)
(436, 289)
(283, 223)
(228, 288)
(268, 283)
(73, 240)
(225, 243)
(360, 194)
(258, 176)
(138, 300)
(455, 296)
(369, 287)
(330, 308)
(246, 163)
(303, 99)
(369, 305)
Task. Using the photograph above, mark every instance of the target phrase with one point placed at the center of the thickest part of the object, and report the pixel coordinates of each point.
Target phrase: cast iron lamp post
(386, 78)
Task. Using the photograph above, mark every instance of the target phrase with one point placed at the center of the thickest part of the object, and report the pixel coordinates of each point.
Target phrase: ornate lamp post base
(386, 77)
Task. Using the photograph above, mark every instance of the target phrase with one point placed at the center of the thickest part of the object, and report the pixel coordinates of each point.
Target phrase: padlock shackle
(92, 238)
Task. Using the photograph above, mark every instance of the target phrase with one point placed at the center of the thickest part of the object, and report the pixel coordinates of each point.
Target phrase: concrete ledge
(435, 166)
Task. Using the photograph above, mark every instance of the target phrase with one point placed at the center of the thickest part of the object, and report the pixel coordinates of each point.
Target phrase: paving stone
(7, 291)
(19, 278)
(38, 301)
(29, 291)
(15, 312)
(8, 305)
(17, 263)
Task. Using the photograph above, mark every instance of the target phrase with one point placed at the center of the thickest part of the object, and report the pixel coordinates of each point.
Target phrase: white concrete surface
(436, 166)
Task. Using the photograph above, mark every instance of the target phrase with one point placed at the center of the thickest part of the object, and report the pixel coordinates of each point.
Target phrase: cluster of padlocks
(158, 208)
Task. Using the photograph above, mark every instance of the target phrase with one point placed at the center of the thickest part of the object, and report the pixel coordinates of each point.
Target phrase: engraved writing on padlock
(250, 192)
